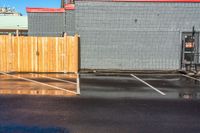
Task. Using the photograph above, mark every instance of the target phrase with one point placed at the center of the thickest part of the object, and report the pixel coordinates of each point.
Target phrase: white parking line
(30, 80)
(160, 92)
(161, 74)
(191, 77)
(66, 81)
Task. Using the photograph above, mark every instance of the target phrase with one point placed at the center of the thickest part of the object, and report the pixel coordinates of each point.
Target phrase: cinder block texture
(46, 24)
(133, 35)
(123, 35)
(70, 22)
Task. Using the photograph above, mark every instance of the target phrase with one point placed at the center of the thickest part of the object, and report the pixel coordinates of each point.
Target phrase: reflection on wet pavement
(14, 85)
(108, 104)
(174, 86)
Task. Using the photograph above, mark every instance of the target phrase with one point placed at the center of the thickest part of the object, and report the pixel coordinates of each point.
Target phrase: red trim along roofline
(69, 7)
(28, 9)
(72, 6)
(178, 1)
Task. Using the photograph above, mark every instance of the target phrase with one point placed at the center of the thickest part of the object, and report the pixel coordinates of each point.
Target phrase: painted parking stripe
(191, 77)
(160, 74)
(30, 80)
(160, 92)
(66, 81)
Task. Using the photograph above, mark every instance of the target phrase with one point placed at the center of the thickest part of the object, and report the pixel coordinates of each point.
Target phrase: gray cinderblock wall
(46, 24)
(131, 36)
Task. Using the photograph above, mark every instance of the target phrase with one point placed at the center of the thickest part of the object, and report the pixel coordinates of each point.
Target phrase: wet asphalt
(175, 86)
(108, 104)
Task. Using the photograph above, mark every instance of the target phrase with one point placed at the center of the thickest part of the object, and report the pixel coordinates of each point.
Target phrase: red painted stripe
(69, 7)
(45, 9)
(180, 1)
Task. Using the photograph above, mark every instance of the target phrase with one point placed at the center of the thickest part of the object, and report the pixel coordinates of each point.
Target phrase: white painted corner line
(66, 81)
(191, 77)
(37, 82)
(160, 92)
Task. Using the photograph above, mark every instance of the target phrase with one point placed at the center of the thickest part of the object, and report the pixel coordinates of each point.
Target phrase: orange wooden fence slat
(39, 54)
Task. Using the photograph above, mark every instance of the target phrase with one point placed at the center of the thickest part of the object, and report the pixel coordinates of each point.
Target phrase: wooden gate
(39, 54)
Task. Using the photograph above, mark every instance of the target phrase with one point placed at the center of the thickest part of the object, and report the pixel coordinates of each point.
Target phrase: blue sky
(20, 5)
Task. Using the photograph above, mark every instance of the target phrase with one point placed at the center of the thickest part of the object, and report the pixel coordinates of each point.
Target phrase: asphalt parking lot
(144, 86)
(100, 85)
(38, 84)
(130, 103)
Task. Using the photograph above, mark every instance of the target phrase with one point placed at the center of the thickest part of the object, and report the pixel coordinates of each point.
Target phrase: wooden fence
(39, 54)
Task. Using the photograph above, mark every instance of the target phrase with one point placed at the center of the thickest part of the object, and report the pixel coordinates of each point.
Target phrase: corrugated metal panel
(134, 36)
(46, 24)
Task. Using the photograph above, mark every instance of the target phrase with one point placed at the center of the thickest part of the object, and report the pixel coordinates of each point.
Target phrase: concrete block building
(126, 34)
